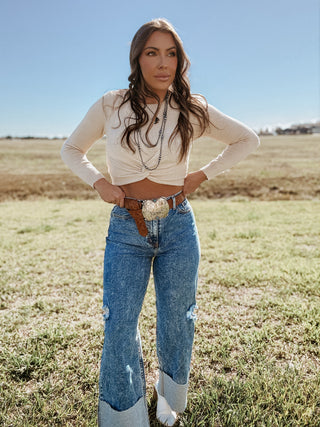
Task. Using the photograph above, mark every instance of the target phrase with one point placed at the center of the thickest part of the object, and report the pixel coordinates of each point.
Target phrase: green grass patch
(256, 353)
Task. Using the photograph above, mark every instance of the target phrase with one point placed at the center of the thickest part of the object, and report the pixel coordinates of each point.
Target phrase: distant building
(301, 129)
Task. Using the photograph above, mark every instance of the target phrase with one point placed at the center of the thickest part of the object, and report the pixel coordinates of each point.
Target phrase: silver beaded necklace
(160, 138)
(156, 120)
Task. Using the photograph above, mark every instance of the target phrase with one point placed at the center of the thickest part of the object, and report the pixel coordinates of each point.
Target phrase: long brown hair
(138, 90)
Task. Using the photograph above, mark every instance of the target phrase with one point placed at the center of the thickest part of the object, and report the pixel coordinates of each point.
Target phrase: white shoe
(165, 414)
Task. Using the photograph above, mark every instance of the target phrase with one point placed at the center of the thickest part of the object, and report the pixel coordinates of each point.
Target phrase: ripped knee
(105, 312)
(191, 315)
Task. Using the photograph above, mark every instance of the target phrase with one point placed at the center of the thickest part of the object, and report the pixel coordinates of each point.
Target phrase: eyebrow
(156, 48)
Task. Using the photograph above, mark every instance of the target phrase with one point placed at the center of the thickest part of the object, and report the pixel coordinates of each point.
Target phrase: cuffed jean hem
(175, 394)
(136, 416)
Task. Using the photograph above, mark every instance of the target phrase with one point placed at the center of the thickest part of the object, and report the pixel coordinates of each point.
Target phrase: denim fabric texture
(172, 250)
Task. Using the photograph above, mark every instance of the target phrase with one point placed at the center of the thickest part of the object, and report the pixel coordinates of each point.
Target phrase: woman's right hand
(109, 193)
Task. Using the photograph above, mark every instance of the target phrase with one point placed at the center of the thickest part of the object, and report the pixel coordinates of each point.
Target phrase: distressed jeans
(171, 249)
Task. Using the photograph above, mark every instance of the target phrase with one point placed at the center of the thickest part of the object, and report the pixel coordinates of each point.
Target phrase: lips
(163, 77)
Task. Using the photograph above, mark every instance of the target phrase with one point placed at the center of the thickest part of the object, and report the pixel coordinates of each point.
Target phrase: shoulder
(198, 98)
(113, 98)
(195, 98)
(216, 117)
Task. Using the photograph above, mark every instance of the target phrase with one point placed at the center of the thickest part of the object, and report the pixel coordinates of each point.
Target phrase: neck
(161, 96)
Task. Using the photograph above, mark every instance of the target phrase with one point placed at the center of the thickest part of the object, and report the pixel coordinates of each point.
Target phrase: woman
(150, 128)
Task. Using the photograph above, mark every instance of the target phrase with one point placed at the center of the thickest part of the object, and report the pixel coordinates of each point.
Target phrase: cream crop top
(126, 167)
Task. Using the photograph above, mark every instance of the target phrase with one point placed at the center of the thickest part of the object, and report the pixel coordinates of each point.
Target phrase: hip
(177, 229)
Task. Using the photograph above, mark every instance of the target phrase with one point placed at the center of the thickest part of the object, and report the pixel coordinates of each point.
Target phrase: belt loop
(174, 202)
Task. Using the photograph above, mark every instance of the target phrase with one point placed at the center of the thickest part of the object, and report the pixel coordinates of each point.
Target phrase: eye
(173, 53)
(151, 53)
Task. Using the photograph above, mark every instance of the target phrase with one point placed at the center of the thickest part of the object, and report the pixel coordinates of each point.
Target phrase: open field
(256, 357)
(284, 168)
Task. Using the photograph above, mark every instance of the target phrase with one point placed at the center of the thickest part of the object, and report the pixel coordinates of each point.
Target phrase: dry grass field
(283, 168)
(256, 360)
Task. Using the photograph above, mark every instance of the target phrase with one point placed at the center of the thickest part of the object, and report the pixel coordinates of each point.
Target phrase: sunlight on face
(158, 62)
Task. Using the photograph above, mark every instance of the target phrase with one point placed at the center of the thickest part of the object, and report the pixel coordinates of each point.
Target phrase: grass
(256, 353)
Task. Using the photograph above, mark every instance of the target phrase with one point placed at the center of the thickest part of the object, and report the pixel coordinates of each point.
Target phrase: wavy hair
(180, 91)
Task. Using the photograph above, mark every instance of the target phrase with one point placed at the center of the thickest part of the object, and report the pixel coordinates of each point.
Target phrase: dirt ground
(283, 168)
(53, 186)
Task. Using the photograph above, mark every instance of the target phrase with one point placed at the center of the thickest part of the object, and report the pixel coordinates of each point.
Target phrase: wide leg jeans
(171, 249)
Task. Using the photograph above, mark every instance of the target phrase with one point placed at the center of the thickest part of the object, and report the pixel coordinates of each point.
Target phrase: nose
(162, 61)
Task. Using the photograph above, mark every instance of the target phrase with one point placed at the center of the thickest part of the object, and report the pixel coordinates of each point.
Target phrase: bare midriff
(146, 189)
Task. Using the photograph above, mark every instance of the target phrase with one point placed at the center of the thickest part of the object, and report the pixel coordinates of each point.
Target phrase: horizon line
(270, 128)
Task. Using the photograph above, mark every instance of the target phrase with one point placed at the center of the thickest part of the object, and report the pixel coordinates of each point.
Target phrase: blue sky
(255, 60)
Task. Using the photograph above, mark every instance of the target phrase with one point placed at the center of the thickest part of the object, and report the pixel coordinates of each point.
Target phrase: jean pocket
(120, 213)
(184, 207)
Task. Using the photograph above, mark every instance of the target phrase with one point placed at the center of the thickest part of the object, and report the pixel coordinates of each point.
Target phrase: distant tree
(264, 132)
(279, 131)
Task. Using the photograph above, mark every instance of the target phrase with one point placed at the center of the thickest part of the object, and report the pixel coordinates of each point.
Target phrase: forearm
(79, 164)
(240, 140)
(232, 155)
(75, 148)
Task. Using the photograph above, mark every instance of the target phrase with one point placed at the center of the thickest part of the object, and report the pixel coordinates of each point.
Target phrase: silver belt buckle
(157, 209)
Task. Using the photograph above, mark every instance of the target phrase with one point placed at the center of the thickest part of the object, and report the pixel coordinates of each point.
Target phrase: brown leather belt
(134, 207)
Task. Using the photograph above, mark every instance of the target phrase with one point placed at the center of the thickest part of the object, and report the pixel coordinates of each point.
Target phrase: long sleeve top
(125, 166)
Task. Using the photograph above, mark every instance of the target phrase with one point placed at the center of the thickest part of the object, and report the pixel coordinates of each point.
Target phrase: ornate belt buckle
(157, 209)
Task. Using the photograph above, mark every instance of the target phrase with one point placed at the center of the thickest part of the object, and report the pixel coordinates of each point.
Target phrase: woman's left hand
(193, 180)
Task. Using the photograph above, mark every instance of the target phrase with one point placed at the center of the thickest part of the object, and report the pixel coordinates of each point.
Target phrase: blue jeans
(172, 249)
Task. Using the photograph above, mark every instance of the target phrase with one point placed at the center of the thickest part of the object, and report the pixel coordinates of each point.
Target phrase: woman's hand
(109, 193)
(193, 180)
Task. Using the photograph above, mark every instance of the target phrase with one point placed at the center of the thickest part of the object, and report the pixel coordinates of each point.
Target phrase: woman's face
(158, 62)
